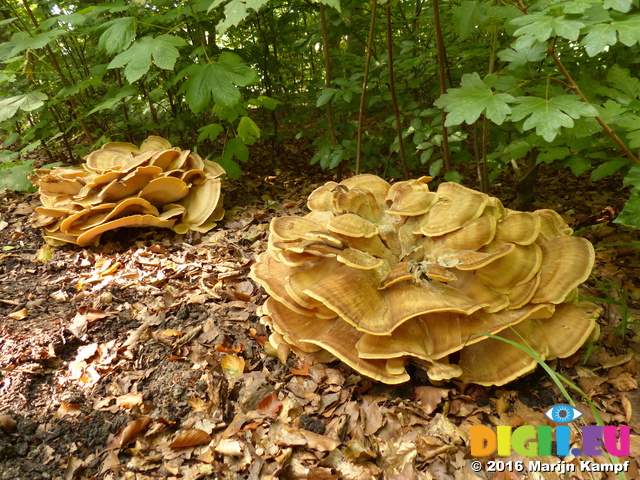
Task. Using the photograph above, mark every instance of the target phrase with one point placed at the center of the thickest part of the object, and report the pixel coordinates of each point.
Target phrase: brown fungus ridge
(122, 185)
(378, 275)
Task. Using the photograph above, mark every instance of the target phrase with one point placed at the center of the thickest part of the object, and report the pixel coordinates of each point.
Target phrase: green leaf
(539, 27)
(114, 96)
(599, 38)
(236, 11)
(551, 154)
(331, 3)
(608, 168)
(435, 167)
(206, 82)
(325, 96)
(239, 73)
(25, 41)
(71, 19)
(13, 176)
(472, 99)
(248, 131)
(621, 79)
(210, 131)
(518, 58)
(138, 56)
(264, 101)
(453, 176)
(237, 148)
(579, 165)
(26, 102)
(218, 81)
(466, 17)
(630, 214)
(119, 35)
(620, 5)
(549, 116)
(232, 168)
(632, 177)
(603, 35)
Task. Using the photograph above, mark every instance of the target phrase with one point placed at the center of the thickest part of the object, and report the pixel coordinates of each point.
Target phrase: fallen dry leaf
(20, 314)
(191, 438)
(270, 404)
(7, 423)
(128, 433)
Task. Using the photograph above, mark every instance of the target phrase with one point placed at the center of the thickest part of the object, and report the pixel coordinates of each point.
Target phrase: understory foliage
(476, 86)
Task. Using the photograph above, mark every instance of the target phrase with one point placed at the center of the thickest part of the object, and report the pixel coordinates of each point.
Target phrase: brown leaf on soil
(67, 408)
(232, 365)
(128, 433)
(129, 400)
(191, 438)
(198, 405)
(7, 423)
(270, 404)
(429, 397)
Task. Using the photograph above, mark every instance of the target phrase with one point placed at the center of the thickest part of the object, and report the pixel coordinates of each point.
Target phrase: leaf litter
(145, 358)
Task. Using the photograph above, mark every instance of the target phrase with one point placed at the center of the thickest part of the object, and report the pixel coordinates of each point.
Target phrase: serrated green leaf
(209, 81)
(472, 99)
(453, 176)
(13, 176)
(137, 58)
(118, 35)
(232, 168)
(237, 148)
(248, 131)
(549, 116)
(114, 96)
(435, 167)
(632, 177)
(210, 131)
(27, 102)
(621, 79)
(608, 168)
(466, 17)
(630, 214)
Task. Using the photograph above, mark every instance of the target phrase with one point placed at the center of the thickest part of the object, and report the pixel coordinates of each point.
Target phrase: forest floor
(143, 358)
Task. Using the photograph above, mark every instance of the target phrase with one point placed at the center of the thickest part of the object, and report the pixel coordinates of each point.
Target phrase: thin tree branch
(374, 5)
(394, 100)
(574, 86)
(442, 60)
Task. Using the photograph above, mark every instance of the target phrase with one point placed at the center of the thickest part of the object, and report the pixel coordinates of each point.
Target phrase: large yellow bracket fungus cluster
(378, 274)
(122, 185)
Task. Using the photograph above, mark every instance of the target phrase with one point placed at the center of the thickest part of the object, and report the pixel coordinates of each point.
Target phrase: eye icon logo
(562, 413)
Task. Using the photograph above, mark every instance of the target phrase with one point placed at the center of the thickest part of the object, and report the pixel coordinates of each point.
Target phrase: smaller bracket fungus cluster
(378, 274)
(122, 185)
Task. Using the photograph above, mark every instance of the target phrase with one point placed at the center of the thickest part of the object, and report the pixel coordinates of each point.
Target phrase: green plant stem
(394, 100)
(442, 60)
(574, 86)
(374, 5)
